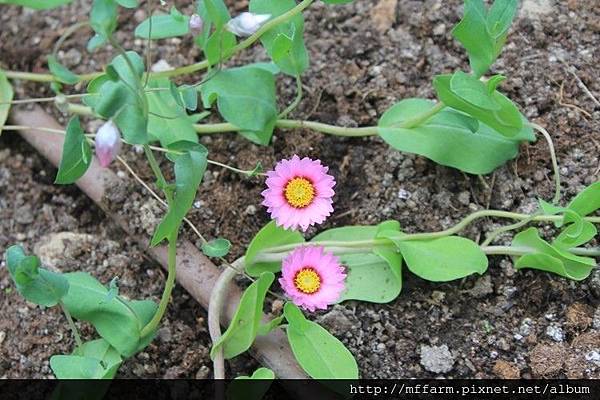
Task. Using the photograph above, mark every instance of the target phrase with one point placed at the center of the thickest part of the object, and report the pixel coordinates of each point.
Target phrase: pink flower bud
(247, 23)
(196, 24)
(108, 143)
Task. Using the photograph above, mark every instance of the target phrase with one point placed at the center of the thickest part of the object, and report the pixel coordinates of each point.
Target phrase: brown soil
(363, 61)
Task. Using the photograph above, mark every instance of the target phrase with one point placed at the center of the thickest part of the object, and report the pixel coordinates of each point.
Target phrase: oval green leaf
(447, 138)
(117, 321)
(320, 354)
(76, 154)
(245, 323)
(546, 257)
(62, 73)
(163, 26)
(444, 259)
(371, 276)
(216, 248)
(37, 285)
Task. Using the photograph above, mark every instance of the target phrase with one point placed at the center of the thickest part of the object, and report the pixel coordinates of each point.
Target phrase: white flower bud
(108, 143)
(247, 23)
(196, 24)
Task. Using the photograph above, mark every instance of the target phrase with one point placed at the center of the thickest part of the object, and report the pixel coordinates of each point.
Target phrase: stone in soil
(437, 359)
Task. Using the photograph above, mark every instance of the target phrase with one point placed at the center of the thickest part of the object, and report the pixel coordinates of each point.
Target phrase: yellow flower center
(307, 280)
(299, 192)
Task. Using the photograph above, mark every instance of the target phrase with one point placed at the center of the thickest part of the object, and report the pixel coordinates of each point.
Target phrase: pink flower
(312, 278)
(108, 143)
(299, 193)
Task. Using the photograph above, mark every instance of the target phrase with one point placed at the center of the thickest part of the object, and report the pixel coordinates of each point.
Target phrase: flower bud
(108, 143)
(247, 23)
(196, 24)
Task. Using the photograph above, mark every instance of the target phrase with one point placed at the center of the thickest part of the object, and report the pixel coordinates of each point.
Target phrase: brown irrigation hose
(195, 272)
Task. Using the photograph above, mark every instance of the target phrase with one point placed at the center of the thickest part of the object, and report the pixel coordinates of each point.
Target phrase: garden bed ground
(365, 56)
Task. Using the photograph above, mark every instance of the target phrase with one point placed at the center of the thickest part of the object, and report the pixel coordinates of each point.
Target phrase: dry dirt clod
(547, 360)
(506, 370)
(579, 316)
(383, 15)
(55, 248)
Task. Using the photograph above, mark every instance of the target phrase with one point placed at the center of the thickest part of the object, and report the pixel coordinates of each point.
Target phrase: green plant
(472, 127)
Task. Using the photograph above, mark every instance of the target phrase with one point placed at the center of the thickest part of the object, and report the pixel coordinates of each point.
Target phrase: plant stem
(368, 244)
(35, 77)
(166, 296)
(80, 109)
(206, 129)
(497, 232)
(519, 251)
(71, 325)
(68, 32)
(548, 138)
(419, 119)
(215, 306)
(296, 101)
(325, 128)
(160, 178)
(188, 69)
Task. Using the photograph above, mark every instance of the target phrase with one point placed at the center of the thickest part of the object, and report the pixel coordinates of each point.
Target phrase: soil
(364, 57)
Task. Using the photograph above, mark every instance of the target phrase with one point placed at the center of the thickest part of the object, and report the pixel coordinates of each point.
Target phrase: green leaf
(258, 168)
(546, 257)
(243, 328)
(163, 26)
(270, 235)
(189, 170)
(119, 100)
(6, 96)
(240, 389)
(493, 83)
(371, 276)
(103, 20)
(100, 349)
(215, 45)
(118, 321)
(472, 90)
(500, 17)
(76, 367)
(62, 73)
(285, 42)
(113, 289)
(76, 154)
(575, 234)
(37, 285)
(265, 329)
(320, 354)
(216, 248)
(586, 202)
(444, 259)
(504, 117)
(189, 96)
(168, 121)
(483, 33)
(37, 4)
(246, 98)
(128, 3)
(447, 138)
(260, 374)
(95, 42)
(96, 359)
